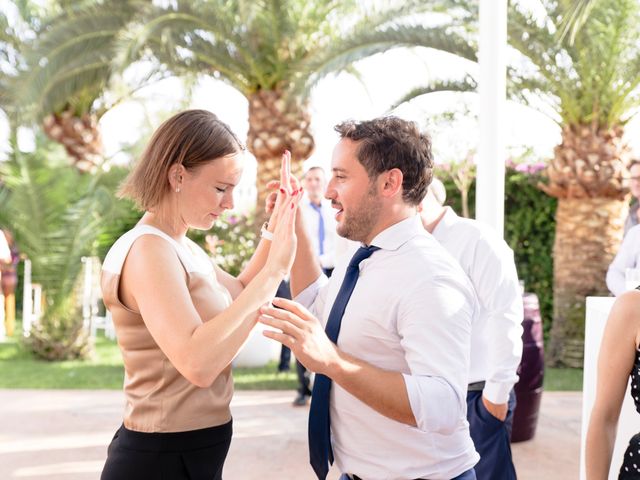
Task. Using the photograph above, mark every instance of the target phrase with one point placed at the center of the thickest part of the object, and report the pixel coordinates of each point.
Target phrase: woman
(619, 358)
(179, 319)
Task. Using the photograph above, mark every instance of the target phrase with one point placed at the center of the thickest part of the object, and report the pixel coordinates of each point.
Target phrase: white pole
(27, 301)
(492, 89)
(86, 292)
(37, 302)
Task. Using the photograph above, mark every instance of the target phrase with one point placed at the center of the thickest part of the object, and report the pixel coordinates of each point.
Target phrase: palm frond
(72, 57)
(468, 84)
(574, 19)
(364, 44)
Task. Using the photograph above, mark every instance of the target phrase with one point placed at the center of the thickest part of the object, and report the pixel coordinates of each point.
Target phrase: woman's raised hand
(282, 221)
(286, 184)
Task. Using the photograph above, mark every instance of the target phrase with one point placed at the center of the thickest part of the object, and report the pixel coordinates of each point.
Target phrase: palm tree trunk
(588, 234)
(586, 176)
(80, 137)
(277, 124)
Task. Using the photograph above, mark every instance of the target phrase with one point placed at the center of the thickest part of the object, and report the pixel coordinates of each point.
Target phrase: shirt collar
(449, 218)
(393, 237)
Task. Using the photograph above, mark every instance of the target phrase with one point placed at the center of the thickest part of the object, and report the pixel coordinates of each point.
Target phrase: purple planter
(531, 371)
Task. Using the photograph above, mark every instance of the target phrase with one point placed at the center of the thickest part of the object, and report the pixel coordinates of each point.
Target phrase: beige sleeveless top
(158, 397)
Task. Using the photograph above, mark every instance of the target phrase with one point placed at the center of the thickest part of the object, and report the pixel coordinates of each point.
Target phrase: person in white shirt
(389, 394)
(634, 186)
(319, 218)
(496, 337)
(628, 256)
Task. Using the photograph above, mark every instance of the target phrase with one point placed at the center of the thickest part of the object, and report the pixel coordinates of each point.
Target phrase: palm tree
(68, 71)
(272, 51)
(581, 59)
(57, 215)
(591, 80)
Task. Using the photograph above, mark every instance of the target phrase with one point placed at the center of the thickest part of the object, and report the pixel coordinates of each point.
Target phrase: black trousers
(192, 455)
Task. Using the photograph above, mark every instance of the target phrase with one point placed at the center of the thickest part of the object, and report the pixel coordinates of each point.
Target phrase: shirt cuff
(497, 392)
(435, 404)
(309, 294)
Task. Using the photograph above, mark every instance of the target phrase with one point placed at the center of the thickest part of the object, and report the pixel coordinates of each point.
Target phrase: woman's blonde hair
(191, 138)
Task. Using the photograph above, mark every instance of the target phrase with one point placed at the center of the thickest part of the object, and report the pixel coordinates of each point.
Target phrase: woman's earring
(177, 189)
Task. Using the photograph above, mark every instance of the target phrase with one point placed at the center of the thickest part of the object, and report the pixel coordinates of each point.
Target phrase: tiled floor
(62, 434)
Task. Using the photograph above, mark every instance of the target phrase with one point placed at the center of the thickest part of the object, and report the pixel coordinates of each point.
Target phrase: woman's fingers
(285, 171)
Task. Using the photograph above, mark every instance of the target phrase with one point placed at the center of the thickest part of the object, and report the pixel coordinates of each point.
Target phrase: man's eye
(221, 190)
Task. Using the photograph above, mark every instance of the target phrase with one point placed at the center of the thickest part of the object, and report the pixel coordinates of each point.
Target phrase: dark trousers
(285, 353)
(491, 438)
(468, 475)
(192, 455)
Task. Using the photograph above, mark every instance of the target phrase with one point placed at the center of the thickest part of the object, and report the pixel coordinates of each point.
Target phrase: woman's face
(207, 191)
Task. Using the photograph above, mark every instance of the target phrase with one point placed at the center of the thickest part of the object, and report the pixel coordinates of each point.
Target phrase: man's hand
(301, 332)
(498, 410)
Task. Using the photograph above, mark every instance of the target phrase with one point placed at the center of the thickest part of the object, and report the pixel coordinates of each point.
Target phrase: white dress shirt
(628, 257)
(312, 223)
(496, 337)
(410, 312)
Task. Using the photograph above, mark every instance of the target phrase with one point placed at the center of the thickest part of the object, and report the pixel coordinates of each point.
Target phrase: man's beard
(357, 225)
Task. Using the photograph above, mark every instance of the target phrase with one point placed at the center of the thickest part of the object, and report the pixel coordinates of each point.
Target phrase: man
(634, 209)
(628, 257)
(496, 336)
(391, 366)
(319, 218)
(320, 226)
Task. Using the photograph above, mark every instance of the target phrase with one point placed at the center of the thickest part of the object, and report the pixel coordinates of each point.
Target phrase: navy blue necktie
(318, 209)
(319, 423)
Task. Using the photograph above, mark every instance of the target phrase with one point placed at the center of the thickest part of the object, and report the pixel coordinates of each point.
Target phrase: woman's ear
(174, 176)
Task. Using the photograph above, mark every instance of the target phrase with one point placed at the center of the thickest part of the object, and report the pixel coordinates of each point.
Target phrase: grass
(563, 379)
(19, 369)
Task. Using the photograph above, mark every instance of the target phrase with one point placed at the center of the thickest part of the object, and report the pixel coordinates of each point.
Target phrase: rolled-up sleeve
(434, 403)
(313, 297)
(434, 323)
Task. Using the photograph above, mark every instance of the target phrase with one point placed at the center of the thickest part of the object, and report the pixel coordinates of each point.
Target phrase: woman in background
(618, 360)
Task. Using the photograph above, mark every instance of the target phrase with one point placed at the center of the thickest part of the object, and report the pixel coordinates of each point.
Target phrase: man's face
(352, 193)
(314, 184)
(635, 180)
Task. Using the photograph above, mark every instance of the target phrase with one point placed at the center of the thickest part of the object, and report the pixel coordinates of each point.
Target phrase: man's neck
(430, 222)
(394, 215)
(317, 201)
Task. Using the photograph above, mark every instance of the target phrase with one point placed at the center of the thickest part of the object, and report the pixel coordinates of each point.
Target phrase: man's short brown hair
(390, 142)
(191, 138)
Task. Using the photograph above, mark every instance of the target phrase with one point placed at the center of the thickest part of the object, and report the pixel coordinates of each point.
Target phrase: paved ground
(62, 434)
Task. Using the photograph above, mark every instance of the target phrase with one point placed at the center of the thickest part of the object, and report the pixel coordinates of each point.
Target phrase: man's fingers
(284, 325)
(293, 307)
(286, 340)
(280, 315)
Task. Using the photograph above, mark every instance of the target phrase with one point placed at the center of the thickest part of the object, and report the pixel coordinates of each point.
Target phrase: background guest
(496, 336)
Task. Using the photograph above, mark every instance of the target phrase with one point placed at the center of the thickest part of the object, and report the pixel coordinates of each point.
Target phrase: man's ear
(175, 175)
(391, 182)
